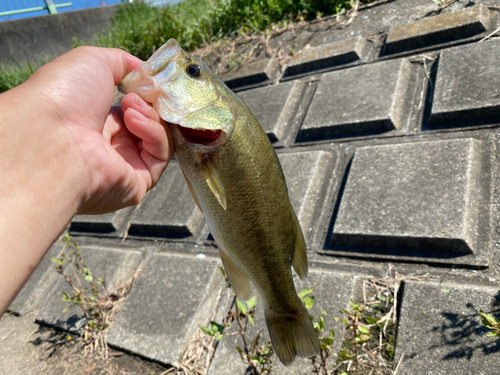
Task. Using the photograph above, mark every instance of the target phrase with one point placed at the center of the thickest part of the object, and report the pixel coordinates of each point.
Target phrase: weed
(14, 72)
(257, 357)
(491, 322)
(100, 306)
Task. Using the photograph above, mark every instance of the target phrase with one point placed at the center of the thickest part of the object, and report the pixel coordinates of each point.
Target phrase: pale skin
(64, 150)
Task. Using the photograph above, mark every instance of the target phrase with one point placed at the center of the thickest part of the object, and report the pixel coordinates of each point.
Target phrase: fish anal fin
(299, 258)
(239, 281)
(292, 335)
(192, 192)
(214, 182)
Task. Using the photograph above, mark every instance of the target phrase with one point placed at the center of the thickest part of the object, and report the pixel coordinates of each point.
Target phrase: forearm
(38, 192)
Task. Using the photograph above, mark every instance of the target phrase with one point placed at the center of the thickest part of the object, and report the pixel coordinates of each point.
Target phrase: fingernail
(140, 102)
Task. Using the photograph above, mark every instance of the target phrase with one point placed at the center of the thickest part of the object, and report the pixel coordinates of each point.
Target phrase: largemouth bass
(237, 182)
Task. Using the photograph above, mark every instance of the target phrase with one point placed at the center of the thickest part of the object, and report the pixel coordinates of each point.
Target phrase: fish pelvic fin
(299, 258)
(292, 335)
(239, 281)
(214, 182)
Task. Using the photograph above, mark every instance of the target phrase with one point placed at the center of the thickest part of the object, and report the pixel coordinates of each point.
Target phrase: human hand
(64, 150)
(120, 153)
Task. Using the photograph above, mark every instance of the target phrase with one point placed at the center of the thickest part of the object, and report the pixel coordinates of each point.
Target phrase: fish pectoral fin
(214, 182)
(239, 281)
(299, 258)
(192, 192)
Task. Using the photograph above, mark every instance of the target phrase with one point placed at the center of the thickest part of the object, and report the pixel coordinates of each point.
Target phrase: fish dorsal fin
(239, 282)
(192, 192)
(214, 182)
(299, 258)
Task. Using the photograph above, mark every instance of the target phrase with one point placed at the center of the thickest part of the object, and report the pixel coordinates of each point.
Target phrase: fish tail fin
(292, 335)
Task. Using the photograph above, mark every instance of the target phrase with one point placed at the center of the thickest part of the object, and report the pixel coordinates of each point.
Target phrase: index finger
(121, 63)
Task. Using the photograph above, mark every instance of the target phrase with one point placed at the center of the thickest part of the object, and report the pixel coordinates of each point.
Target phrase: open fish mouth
(204, 137)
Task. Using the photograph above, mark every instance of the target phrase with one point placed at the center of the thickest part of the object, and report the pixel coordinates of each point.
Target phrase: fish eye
(193, 70)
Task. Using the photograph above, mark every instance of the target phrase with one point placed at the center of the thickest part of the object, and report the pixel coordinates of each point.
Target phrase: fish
(236, 180)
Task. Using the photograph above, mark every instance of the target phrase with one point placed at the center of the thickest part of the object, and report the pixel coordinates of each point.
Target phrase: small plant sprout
(325, 341)
(491, 322)
(91, 295)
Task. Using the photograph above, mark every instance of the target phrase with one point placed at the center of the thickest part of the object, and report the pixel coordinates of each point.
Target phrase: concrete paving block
(380, 19)
(35, 287)
(255, 72)
(168, 210)
(440, 330)
(114, 266)
(326, 55)
(112, 224)
(467, 89)
(438, 29)
(331, 295)
(162, 313)
(274, 107)
(307, 176)
(364, 100)
(423, 199)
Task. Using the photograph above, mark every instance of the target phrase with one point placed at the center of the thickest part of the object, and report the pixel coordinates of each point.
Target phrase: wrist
(40, 190)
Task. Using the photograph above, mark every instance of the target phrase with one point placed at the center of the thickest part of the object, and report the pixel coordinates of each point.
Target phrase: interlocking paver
(438, 29)
(255, 72)
(173, 296)
(440, 330)
(417, 199)
(274, 107)
(168, 210)
(328, 55)
(467, 92)
(114, 266)
(364, 100)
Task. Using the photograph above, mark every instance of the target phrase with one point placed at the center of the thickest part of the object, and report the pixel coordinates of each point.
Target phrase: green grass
(140, 29)
(14, 73)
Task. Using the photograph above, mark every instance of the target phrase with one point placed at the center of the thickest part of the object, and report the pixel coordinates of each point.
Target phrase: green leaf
(326, 342)
(66, 309)
(344, 354)
(363, 329)
(489, 320)
(207, 330)
(219, 337)
(308, 302)
(241, 306)
(217, 328)
(389, 350)
(332, 333)
(372, 319)
(364, 337)
(305, 292)
(240, 352)
(250, 317)
(252, 302)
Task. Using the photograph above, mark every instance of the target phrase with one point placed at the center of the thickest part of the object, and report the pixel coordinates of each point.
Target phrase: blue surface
(10, 5)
